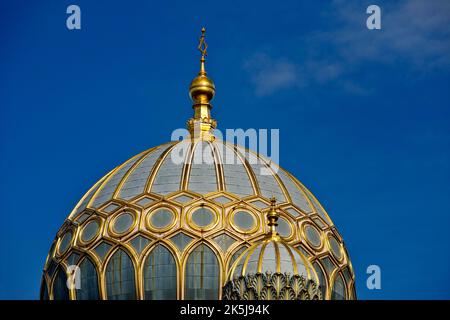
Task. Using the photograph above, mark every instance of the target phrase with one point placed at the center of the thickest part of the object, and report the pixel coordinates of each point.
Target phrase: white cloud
(269, 75)
(415, 36)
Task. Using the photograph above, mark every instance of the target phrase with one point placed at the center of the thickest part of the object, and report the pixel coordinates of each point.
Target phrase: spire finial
(272, 217)
(202, 46)
(202, 91)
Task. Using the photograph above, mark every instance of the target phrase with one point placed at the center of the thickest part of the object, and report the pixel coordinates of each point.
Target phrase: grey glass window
(202, 275)
(224, 241)
(244, 220)
(313, 236)
(328, 264)
(102, 249)
(269, 261)
(73, 258)
(181, 240)
(235, 256)
(222, 199)
(284, 228)
(120, 277)
(65, 242)
(339, 292)
(89, 281)
(161, 218)
(139, 243)
(60, 290)
(183, 198)
(123, 222)
(111, 207)
(90, 231)
(335, 248)
(144, 201)
(322, 282)
(203, 217)
(160, 275)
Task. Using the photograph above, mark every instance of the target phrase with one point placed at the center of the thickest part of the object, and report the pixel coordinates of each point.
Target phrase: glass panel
(259, 204)
(102, 249)
(65, 242)
(285, 260)
(160, 275)
(120, 277)
(136, 180)
(222, 199)
(338, 289)
(267, 183)
(297, 196)
(73, 258)
(202, 275)
(202, 178)
(181, 240)
(89, 282)
(224, 241)
(252, 264)
(203, 217)
(322, 282)
(107, 190)
(319, 223)
(110, 208)
(144, 201)
(161, 218)
(51, 267)
(303, 251)
(168, 177)
(123, 222)
(244, 220)
(284, 228)
(335, 248)
(347, 275)
(60, 290)
(236, 255)
(269, 262)
(313, 236)
(139, 243)
(293, 212)
(90, 231)
(83, 217)
(183, 198)
(301, 269)
(237, 180)
(328, 264)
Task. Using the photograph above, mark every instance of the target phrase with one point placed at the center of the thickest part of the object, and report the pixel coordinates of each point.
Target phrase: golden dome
(165, 210)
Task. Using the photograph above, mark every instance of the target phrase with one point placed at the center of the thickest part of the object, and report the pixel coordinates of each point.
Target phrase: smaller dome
(271, 269)
(272, 255)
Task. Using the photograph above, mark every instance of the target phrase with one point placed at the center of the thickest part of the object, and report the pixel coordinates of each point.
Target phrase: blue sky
(363, 116)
